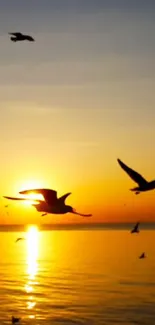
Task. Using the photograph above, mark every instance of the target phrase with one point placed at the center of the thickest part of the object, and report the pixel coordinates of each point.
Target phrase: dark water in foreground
(77, 277)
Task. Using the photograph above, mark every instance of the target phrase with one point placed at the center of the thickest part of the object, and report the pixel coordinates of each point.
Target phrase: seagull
(15, 320)
(20, 238)
(51, 203)
(135, 229)
(143, 184)
(21, 37)
(142, 255)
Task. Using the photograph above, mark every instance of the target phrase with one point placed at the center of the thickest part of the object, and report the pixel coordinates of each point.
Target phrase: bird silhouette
(21, 37)
(20, 238)
(51, 203)
(142, 256)
(15, 320)
(143, 184)
(135, 229)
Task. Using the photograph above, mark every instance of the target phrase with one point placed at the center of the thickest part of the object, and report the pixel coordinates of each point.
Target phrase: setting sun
(28, 184)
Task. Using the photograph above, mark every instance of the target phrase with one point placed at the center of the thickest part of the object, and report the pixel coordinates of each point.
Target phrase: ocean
(84, 276)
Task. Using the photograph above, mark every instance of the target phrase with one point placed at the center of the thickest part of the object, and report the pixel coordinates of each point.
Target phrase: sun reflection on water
(32, 265)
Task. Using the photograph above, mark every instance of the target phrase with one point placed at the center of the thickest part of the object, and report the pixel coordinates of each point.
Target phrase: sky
(75, 100)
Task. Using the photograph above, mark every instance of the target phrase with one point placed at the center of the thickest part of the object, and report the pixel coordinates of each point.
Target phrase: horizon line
(78, 226)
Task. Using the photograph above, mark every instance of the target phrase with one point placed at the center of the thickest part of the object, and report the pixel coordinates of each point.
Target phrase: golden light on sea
(32, 264)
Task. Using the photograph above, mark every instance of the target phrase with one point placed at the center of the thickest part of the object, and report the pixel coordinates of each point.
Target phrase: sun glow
(32, 265)
(28, 185)
(31, 199)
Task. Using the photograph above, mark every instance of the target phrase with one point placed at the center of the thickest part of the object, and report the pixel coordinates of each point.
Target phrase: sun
(29, 184)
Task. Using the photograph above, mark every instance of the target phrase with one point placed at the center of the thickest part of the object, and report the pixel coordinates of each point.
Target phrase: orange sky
(73, 102)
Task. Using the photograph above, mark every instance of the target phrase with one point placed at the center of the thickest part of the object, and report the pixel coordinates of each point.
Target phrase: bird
(142, 256)
(20, 238)
(135, 229)
(44, 214)
(21, 37)
(51, 203)
(143, 184)
(15, 320)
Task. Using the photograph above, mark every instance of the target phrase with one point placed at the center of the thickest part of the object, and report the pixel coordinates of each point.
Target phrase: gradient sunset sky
(74, 101)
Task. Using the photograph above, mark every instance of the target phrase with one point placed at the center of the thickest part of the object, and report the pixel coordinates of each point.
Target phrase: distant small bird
(135, 229)
(15, 320)
(6, 206)
(44, 214)
(51, 203)
(21, 37)
(142, 255)
(20, 238)
(143, 185)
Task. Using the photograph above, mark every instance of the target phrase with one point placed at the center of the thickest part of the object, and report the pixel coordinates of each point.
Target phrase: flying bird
(51, 203)
(135, 229)
(15, 320)
(20, 238)
(21, 37)
(143, 184)
(142, 256)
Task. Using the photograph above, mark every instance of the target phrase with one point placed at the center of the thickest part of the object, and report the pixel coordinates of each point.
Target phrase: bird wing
(29, 38)
(20, 238)
(63, 198)
(15, 34)
(15, 198)
(21, 199)
(136, 177)
(136, 226)
(44, 214)
(50, 196)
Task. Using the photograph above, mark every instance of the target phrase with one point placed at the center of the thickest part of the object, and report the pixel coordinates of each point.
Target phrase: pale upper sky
(74, 101)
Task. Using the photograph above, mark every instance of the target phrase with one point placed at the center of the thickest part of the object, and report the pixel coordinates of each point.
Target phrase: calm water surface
(77, 277)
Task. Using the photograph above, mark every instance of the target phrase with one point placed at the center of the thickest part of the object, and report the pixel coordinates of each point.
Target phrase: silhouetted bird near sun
(21, 37)
(140, 180)
(15, 320)
(51, 203)
(142, 256)
(135, 229)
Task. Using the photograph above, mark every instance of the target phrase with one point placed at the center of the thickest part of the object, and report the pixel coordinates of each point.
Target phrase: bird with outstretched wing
(136, 177)
(51, 203)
